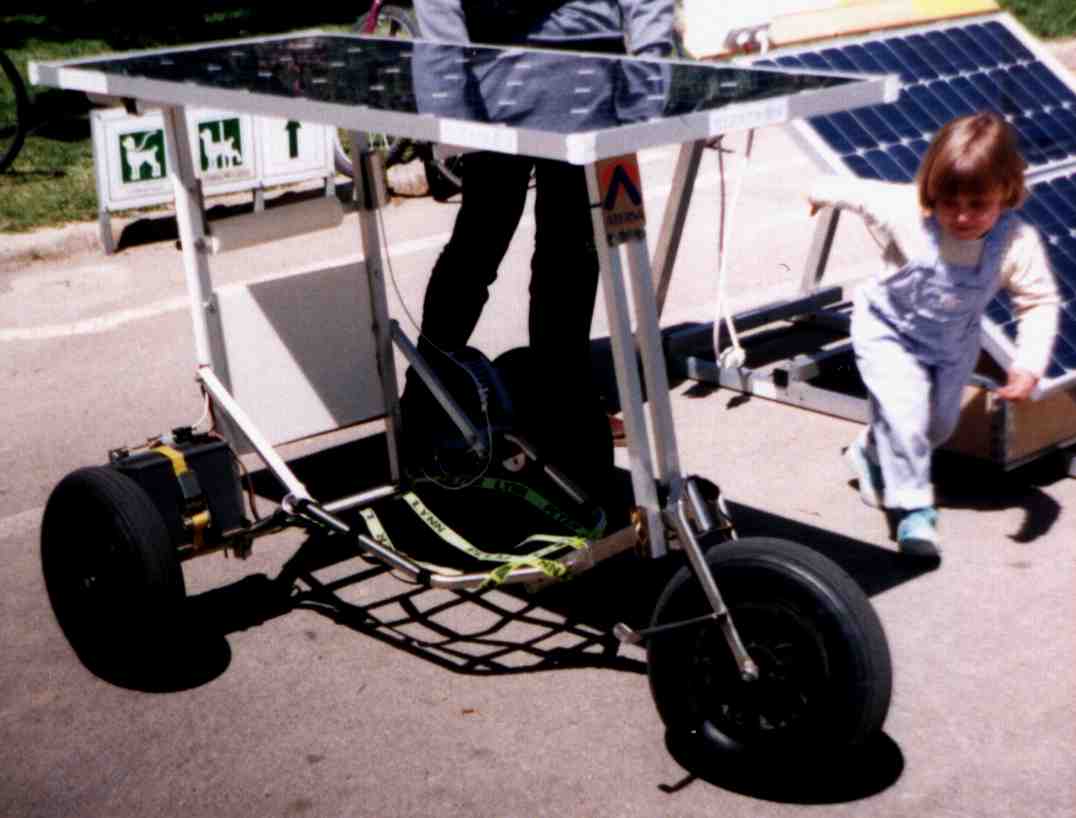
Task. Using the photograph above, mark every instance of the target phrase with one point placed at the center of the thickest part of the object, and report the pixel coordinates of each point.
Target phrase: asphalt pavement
(366, 696)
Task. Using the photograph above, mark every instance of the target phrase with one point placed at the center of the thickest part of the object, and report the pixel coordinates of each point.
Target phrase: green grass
(1045, 18)
(52, 180)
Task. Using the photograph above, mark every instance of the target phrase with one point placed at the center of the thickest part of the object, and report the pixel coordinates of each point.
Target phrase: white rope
(734, 356)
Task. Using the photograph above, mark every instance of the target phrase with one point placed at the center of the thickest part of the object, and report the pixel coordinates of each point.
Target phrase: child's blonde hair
(974, 154)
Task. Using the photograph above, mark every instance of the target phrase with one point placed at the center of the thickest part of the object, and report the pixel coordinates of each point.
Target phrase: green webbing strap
(509, 562)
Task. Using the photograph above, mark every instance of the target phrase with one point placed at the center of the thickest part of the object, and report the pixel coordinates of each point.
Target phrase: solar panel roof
(947, 70)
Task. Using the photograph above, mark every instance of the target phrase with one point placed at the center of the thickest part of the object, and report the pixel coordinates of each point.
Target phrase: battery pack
(211, 461)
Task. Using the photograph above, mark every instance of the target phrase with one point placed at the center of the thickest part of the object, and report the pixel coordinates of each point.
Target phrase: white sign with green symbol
(234, 152)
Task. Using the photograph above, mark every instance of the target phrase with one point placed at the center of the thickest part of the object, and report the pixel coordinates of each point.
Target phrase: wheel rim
(784, 701)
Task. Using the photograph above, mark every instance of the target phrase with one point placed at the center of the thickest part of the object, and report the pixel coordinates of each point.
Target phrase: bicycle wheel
(825, 674)
(14, 111)
(392, 21)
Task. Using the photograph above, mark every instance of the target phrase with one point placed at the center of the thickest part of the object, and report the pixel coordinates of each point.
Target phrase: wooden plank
(706, 28)
(864, 17)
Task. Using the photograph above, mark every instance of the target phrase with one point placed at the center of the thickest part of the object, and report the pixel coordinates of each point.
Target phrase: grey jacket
(647, 25)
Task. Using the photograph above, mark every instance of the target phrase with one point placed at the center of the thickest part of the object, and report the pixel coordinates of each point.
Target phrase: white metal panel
(300, 356)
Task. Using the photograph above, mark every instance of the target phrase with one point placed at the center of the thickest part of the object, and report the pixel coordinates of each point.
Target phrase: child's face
(969, 215)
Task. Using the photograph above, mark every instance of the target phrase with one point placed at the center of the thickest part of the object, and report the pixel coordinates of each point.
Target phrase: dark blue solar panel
(1007, 40)
(863, 61)
(877, 126)
(896, 118)
(914, 61)
(884, 56)
(936, 109)
(943, 90)
(961, 39)
(907, 158)
(972, 95)
(937, 58)
(838, 60)
(949, 71)
(960, 61)
(1050, 80)
(1051, 209)
(946, 72)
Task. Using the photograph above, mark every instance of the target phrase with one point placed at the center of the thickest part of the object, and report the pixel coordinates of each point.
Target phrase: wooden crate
(1010, 434)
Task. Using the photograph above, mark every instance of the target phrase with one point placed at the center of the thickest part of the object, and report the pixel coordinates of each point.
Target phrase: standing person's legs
(567, 417)
(494, 193)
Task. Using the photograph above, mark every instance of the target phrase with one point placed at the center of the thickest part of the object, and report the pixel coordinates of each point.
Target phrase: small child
(915, 329)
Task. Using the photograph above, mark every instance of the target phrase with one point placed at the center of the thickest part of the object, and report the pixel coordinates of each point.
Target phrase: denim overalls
(916, 339)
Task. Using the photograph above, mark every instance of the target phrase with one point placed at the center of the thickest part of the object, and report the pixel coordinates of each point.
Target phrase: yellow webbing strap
(381, 536)
(535, 559)
(199, 520)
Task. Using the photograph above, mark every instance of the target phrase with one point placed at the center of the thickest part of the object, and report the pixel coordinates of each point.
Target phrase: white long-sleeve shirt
(894, 217)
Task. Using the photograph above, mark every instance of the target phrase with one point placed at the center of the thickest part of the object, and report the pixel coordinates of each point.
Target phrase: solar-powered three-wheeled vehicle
(754, 644)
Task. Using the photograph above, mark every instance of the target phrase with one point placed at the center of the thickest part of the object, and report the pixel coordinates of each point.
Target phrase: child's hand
(1019, 385)
(814, 206)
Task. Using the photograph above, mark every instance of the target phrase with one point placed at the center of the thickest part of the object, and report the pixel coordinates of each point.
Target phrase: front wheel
(825, 674)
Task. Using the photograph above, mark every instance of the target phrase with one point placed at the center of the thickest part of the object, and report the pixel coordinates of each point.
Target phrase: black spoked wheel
(14, 111)
(392, 21)
(111, 570)
(825, 675)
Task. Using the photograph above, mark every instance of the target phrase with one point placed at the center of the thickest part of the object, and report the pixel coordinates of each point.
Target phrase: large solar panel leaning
(950, 69)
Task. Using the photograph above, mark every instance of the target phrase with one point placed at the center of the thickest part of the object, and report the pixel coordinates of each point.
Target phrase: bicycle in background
(440, 176)
(14, 111)
(382, 19)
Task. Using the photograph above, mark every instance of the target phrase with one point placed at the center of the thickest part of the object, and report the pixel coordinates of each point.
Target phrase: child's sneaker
(917, 534)
(867, 472)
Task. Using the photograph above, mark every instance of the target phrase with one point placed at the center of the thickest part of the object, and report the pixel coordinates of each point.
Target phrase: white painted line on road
(103, 323)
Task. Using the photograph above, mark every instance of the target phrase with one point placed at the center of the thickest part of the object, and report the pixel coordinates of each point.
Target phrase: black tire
(14, 112)
(392, 21)
(825, 674)
(111, 570)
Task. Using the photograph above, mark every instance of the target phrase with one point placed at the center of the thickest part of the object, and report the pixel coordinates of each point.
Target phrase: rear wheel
(111, 570)
(825, 674)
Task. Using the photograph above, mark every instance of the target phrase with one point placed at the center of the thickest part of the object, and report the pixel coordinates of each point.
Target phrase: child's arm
(1027, 276)
(890, 211)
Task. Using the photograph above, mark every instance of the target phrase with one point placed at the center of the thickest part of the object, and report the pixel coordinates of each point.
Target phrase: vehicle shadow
(805, 778)
(565, 624)
(509, 630)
